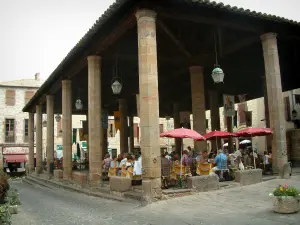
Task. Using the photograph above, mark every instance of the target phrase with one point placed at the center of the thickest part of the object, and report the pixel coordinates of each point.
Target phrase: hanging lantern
(116, 86)
(57, 117)
(44, 123)
(78, 104)
(217, 75)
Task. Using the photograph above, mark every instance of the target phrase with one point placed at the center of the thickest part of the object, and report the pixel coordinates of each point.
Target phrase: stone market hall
(164, 52)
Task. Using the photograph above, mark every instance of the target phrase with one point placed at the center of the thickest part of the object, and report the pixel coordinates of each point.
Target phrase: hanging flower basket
(286, 199)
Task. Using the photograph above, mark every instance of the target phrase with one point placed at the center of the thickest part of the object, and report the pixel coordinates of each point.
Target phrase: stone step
(52, 183)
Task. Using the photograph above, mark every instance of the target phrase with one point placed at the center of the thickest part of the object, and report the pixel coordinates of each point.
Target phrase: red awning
(15, 158)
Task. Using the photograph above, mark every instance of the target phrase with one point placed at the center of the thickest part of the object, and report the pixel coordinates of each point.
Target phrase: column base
(67, 174)
(38, 170)
(94, 178)
(151, 189)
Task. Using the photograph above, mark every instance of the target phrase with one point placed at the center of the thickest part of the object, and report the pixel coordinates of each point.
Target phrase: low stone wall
(58, 174)
(203, 183)
(79, 177)
(120, 184)
(247, 177)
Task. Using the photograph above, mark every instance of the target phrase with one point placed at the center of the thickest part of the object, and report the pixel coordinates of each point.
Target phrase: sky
(36, 35)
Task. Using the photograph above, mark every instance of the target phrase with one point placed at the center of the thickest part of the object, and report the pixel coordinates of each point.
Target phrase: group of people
(125, 165)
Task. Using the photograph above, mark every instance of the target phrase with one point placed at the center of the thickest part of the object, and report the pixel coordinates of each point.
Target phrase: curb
(51, 183)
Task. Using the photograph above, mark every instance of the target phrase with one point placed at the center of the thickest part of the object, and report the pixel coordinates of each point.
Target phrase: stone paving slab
(240, 205)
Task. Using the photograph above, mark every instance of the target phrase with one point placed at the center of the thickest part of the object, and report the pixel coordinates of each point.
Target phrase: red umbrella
(218, 134)
(183, 133)
(254, 132)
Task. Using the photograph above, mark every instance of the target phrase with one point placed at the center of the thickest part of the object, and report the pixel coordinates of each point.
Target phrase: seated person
(220, 161)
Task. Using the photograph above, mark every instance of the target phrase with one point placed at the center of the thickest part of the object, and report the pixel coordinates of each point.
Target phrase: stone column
(50, 133)
(177, 141)
(67, 128)
(123, 125)
(198, 104)
(275, 101)
(149, 103)
(39, 140)
(214, 116)
(131, 135)
(267, 116)
(94, 119)
(31, 142)
(230, 129)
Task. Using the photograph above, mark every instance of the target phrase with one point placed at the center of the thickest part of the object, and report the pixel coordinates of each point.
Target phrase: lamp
(44, 123)
(217, 73)
(78, 104)
(116, 85)
(57, 117)
(116, 82)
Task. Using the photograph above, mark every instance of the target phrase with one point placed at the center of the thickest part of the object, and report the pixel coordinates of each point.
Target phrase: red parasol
(183, 133)
(253, 132)
(218, 134)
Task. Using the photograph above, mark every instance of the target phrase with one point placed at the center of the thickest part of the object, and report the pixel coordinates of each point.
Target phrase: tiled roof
(23, 83)
(120, 3)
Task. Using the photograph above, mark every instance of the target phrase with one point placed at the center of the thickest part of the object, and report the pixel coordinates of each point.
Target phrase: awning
(15, 158)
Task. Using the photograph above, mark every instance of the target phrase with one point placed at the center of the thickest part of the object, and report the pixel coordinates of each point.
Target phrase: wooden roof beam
(241, 44)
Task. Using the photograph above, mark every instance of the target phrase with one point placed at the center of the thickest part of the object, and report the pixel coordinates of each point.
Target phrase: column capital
(145, 13)
(194, 69)
(268, 36)
(93, 57)
(66, 82)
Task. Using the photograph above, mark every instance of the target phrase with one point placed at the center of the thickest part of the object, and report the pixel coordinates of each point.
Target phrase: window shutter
(10, 97)
(135, 130)
(225, 121)
(248, 118)
(59, 128)
(287, 109)
(241, 114)
(28, 96)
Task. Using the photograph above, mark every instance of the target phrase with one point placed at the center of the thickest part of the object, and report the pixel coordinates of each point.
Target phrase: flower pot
(286, 204)
(13, 209)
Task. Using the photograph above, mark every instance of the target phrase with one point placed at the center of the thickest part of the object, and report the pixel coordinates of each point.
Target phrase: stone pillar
(31, 142)
(230, 129)
(123, 125)
(149, 103)
(131, 135)
(67, 128)
(94, 119)
(50, 133)
(275, 101)
(177, 141)
(214, 117)
(267, 116)
(39, 140)
(198, 104)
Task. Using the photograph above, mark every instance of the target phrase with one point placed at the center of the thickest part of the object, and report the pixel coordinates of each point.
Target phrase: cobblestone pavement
(241, 205)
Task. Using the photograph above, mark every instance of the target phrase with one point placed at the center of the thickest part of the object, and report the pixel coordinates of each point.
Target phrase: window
(28, 96)
(9, 130)
(59, 128)
(26, 130)
(161, 128)
(235, 119)
(206, 123)
(297, 99)
(287, 108)
(10, 97)
(248, 115)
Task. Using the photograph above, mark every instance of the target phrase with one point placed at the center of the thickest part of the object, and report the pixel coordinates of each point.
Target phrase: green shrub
(5, 216)
(13, 197)
(4, 186)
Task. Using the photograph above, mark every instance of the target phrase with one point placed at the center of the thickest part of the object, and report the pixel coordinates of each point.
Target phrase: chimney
(37, 76)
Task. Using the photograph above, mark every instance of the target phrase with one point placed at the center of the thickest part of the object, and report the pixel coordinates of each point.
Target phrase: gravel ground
(241, 205)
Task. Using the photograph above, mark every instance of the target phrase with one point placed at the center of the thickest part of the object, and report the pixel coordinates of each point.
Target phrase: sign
(15, 150)
(228, 105)
(104, 117)
(117, 120)
(84, 146)
(242, 98)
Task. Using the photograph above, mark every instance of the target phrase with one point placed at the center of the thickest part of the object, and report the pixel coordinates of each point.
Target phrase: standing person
(266, 162)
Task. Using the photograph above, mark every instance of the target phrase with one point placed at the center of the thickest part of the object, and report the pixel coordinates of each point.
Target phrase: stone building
(14, 139)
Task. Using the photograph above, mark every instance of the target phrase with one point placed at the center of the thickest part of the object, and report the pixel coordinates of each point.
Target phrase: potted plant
(286, 199)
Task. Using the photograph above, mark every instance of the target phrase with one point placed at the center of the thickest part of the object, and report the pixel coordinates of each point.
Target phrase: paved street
(246, 205)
